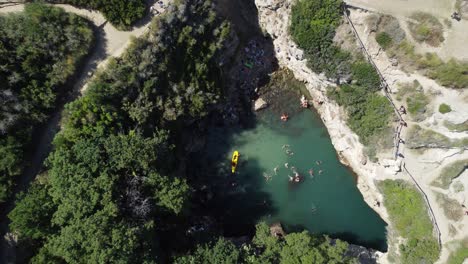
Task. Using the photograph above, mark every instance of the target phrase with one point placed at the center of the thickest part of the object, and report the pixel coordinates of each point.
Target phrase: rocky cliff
(274, 19)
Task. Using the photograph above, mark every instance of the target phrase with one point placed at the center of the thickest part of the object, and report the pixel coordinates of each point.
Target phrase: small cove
(327, 203)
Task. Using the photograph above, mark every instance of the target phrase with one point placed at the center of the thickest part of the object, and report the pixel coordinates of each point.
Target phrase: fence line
(431, 214)
(383, 83)
(401, 121)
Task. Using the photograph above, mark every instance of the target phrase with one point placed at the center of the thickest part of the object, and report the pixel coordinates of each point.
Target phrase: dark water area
(327, 202)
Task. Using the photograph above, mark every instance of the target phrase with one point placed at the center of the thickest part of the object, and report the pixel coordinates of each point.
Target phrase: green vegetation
(416, 100)
(461, 127)
(384, 40)
(444, 108)
(449, 173)
(121, 13)
(293, 248)
(409, 216)
(313, 25)
(460, 254)
(452, 209)
(458, 186)
(419, 137)
(453, 73)
(40, 49)
(113, 188)
(426, 28)
(368, 112)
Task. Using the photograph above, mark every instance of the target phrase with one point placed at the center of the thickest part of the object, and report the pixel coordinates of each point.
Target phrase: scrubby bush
(313, 25)
(425, 27)
(368, 113)
(453, 74)
(449, 173)
(460, 254)
(365, 75)
(121, 13)
(384, 40)
(408, 214)
(419, 137)
(444, 108)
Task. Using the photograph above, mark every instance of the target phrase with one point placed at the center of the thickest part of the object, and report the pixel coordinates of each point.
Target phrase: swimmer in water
(311, 172)
(320, 172)
(276, 170)
(286, 165)
(317, 162)
(266, 176)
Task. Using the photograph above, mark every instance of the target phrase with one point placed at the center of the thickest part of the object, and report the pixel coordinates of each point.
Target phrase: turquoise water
(327, 203)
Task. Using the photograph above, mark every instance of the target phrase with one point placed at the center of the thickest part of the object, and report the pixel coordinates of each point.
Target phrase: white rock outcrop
(260, 104)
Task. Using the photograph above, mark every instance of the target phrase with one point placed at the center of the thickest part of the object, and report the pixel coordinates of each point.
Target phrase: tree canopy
(113, 180)
(294, 248)
(40, 49)
(120, 13)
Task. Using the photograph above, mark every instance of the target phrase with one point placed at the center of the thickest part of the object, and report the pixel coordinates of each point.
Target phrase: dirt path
(456, 36)
(110, 42)
(426, 166)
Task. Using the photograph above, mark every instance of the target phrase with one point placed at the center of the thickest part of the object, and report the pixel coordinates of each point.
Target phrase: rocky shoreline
(274, 19)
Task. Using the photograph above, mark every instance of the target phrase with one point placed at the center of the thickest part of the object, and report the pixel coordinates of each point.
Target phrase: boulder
(260, 104)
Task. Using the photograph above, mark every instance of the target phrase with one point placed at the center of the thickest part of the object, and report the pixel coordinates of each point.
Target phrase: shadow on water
(235, 200)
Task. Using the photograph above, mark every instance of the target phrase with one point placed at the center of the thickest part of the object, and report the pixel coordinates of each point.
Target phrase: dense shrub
(384, 40)
(368, 113)
(121, 13)
(444, 108)
(293, 248)
(312, 27)
(366, 76)
(425, 27)
(408, 213)
(39, 50)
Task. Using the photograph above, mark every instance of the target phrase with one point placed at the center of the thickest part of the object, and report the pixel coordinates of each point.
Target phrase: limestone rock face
(464, 9)
(260, 104)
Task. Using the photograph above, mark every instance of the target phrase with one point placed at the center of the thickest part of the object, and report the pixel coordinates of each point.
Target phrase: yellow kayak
(235, 159)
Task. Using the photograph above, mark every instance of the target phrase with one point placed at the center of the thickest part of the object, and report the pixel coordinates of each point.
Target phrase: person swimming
(286, 165)
(320, 172)
(311, 172)
(267, 176)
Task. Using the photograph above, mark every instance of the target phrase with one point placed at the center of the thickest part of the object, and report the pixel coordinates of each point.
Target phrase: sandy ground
(426, 167)
(456, 36)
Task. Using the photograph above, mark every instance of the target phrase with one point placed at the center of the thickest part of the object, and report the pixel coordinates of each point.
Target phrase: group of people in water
(295, 177)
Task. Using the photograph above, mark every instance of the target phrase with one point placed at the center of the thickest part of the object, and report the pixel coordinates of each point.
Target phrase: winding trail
(110, 42)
